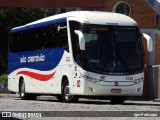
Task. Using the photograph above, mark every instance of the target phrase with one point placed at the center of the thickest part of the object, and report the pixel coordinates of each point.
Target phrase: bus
(77, 54)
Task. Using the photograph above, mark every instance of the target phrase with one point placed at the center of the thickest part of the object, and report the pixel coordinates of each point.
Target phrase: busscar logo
(6, 114)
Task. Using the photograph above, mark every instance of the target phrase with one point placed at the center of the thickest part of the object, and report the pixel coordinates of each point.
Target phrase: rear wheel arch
(22, 91)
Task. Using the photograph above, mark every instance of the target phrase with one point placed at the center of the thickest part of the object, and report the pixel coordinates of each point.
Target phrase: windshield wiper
(124, 63)
(105, 64)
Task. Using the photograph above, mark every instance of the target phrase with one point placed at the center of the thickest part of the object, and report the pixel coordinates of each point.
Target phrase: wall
(157, 50)
(140, 11)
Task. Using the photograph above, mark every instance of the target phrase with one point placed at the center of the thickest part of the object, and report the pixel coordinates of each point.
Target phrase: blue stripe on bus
(47, 60)
(39, 25)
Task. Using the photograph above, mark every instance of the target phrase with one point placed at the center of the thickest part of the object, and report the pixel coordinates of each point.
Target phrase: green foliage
(13, 17)
(4, 78)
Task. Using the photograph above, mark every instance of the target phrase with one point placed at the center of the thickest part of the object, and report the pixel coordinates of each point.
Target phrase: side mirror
(149, 42)
(81, 39)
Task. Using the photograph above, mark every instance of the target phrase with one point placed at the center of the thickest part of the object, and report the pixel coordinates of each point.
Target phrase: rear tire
(66, 97)
(23, 94)
(118, 99)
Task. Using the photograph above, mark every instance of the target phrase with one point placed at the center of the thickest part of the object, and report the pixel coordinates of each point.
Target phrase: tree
(13, 17)
(2, 66)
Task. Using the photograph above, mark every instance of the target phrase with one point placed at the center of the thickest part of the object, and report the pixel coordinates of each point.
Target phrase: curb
(4, 90)
(157, 100)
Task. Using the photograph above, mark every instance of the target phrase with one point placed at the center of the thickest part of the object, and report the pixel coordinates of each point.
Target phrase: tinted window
(51, 36)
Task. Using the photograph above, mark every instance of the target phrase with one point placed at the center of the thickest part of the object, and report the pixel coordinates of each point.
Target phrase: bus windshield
(112, 50)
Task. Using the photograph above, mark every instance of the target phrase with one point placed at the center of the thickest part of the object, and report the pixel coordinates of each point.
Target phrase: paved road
(12, 102)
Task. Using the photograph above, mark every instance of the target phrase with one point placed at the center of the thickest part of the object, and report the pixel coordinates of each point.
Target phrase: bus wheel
(66, 97)
(118, 99)
(23, 94)
(59, 97)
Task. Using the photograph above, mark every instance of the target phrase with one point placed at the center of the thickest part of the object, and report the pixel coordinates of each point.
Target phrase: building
(145, 12)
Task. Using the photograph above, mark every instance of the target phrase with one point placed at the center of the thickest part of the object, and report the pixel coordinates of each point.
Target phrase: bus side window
(19, 39)
(61, 37)
(49, 39)
(75, 42)
(12, 42)
(30, 40)
(40, 38)
(51, 32)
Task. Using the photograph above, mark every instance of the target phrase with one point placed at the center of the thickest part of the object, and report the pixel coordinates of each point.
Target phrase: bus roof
(90, 17)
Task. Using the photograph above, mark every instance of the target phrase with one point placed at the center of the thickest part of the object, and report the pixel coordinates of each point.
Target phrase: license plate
(116, 90)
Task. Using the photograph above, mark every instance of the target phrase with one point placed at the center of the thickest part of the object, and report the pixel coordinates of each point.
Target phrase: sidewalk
(3, 89)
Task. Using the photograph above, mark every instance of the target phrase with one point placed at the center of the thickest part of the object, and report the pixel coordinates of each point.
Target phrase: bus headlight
(90, 78)
(138, 90)
(83, 74)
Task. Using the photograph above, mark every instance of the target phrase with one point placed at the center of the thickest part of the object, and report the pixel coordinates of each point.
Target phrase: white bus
(77, 54)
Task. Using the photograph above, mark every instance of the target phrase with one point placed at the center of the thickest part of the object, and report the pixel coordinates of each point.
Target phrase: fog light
(137, 90)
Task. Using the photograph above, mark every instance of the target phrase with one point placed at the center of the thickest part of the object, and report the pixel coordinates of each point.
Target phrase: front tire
(59, 97)
(118, 99)
(66, 97)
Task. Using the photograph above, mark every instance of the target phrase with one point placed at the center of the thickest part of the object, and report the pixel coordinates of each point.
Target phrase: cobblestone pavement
(87, 108)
